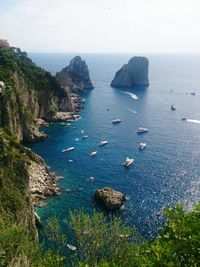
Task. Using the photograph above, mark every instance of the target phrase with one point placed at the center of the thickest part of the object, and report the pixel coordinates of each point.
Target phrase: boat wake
(133, 96)
(132, 111)
(194, 121)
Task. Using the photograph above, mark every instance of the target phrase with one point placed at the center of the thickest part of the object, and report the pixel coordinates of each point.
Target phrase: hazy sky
(102, 25)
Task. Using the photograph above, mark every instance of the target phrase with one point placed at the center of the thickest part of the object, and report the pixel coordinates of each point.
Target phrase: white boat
(172, 107)
(77, 139)
(68, 149)
(91, 178)
(128, 162)
(116, 121)
(92, 154)
(70, 160)
(82, 131)
(69, 124)
(141, 130)
(85, 136)
(103, 143)
(142, 146)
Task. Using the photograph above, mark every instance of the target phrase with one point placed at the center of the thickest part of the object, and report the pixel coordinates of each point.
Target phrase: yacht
(128, 162)
(103, 143)
(142, 146)
(172, 107)
(92, 154)
(68, 149)
(141, 130)
(116, 121)
(85, 137)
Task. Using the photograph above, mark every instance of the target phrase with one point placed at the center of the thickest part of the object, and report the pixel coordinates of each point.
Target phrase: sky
(102, 26)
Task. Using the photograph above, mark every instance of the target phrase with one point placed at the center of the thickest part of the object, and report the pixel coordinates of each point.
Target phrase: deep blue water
(166, 172)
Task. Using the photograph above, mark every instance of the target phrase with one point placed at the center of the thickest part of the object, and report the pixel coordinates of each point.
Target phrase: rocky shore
(42, 183)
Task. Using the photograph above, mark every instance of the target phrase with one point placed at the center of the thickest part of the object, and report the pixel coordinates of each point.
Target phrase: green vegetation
(13, 60)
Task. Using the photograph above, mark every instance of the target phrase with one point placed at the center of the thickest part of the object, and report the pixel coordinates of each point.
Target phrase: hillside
(27, 92)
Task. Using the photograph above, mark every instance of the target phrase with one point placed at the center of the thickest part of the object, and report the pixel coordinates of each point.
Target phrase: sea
(165, 173)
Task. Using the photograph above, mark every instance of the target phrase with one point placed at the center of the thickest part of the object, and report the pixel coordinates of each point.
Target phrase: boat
(193, 93)
(128, 162)
(70, 160)
(142, 146)
(91, 178)
(183, 119)
(172, 107)
(77, 139)
(103, 143)
(85, 136)
(92, 154)
(73, 248)
(82, 131)
(69, 124)
(116, 121)
(141, 130)
(68, 149)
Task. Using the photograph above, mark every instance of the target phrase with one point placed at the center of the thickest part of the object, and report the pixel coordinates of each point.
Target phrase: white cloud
(103, 25)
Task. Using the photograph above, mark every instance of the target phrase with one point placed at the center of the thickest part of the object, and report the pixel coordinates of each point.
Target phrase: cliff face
(135, 73)
(27, 92)
(15, 201)
(75, 77)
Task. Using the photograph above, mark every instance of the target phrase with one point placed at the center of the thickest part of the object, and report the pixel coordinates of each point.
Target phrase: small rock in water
(111, 198)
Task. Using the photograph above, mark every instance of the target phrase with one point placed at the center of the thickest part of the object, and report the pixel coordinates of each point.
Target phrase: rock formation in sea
(111, 198)
(135, 73)
(75, 77)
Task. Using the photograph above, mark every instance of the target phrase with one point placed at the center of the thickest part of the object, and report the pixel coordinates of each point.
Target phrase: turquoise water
(166, 172)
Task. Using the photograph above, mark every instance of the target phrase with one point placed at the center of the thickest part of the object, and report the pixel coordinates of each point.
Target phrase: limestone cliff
(27, 92)
(135, 73)
(75, 77)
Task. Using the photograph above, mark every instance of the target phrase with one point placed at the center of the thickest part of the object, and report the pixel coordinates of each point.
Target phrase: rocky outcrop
(75, 77)
(110, 198)
(135, 73)
(42, 183)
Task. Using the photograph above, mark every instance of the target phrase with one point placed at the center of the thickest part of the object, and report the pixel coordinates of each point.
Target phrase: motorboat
(193, 93)
(141, 130)
(91, 178)
(85, 136)
(82, 131)
(172, 107)
(128, 162)
(68, 149)
(116, 121)
(92, 154)
(70, 160)
(103, 143)
(142, 146)
(77, 139)
(183, 119)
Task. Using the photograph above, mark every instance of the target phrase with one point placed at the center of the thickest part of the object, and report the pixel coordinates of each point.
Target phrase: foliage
(179, 242)
(14, 60)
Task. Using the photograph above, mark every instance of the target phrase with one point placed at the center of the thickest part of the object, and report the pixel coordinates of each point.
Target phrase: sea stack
(75, 77)
(135, 73)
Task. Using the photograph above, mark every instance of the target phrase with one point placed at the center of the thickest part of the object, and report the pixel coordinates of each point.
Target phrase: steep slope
(27, 92)
(75, 77)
